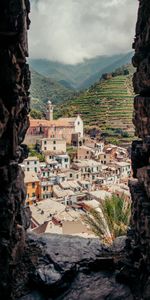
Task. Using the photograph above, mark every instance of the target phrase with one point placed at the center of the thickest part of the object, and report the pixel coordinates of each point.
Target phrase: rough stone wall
(138, 242)
(14, 108)
(14, 122)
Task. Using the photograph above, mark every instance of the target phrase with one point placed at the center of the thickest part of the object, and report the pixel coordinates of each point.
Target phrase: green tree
(35, 114)
(111, 219)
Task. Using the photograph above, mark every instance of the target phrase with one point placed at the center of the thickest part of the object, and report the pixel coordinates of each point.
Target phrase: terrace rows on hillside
(107, 104)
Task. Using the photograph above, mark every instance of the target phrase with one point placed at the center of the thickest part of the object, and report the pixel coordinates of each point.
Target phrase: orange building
(33, 187)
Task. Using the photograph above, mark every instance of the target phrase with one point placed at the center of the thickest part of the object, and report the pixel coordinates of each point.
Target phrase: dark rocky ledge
(70, 268)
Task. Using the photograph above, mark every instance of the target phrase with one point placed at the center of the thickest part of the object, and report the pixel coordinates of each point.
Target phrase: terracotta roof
(62, 122)
(38, 122)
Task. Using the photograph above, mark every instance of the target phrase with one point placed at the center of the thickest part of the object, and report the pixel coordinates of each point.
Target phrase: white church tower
(49, 112)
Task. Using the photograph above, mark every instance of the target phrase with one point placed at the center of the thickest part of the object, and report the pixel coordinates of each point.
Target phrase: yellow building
(33, 187)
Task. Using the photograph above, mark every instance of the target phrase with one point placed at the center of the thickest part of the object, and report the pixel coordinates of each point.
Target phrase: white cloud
(71, 30)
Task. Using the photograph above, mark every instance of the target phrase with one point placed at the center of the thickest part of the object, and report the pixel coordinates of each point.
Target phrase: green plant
(111, 219)
(35, 114)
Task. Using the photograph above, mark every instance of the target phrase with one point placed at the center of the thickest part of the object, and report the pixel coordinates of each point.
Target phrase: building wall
(31, 165)
(83, 153)
(46, 191)
(33, 192)
(79, 126)
(63, 161)
(53, 145)
(104, 158)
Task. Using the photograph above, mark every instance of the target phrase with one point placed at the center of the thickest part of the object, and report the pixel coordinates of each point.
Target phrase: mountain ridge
(82, 75)
(44, 89)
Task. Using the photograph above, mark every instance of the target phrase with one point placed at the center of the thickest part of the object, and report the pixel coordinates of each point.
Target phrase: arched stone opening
(15, 253)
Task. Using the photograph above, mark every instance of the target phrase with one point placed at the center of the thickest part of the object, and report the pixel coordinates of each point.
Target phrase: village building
(53, 145)
(32, 183)
(73, 174)
(99, 195)
(121, 190)
(104, 158)
(72, 185)
(94, 144)
(84, 153)
(85, 184)
(62, 128)
(31, 164)
(90, 169)
(67, 196)
(124, 169)
(111, 150)
(77, 140)
(49, 216)
(63, 161)
(46, 189)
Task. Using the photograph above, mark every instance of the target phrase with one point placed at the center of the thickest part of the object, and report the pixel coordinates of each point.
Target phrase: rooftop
(87, 163)
(100, 194)
(61, 122)
(44, 210)
(32, 158)
(30, 177)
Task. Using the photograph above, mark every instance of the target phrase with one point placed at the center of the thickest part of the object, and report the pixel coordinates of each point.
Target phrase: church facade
(61, 128)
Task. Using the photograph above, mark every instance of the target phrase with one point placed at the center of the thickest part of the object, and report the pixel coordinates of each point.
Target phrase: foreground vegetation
(111, 219)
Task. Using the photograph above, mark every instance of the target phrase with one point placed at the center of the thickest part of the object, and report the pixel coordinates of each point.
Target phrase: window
(27, 162)
(66, 159)
(78, 123)
(54, 142)
(43, 173)
(46, 188)
(54, 148)
(35, 169)
(35, 162)
(33, 185)
(28, 169)
(50, 157)
(45, 142)
(70, 175)
(33, 194)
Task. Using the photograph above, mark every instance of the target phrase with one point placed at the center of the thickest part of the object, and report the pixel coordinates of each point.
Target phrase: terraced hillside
(107, 105)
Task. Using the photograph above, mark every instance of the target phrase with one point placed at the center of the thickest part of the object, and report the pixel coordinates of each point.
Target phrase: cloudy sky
(69, 31)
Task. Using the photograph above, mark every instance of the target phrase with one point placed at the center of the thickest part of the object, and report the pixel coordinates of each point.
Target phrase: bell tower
(49, 112)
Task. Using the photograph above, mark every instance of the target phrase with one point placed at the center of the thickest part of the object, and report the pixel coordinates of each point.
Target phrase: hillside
(83, 75)
(107, 105)
(43, 89)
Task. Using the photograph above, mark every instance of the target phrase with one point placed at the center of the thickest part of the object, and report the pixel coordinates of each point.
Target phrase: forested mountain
(44, 89)
(79, 76)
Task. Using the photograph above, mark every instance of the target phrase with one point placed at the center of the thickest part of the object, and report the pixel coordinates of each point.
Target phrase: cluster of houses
(61, 190)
